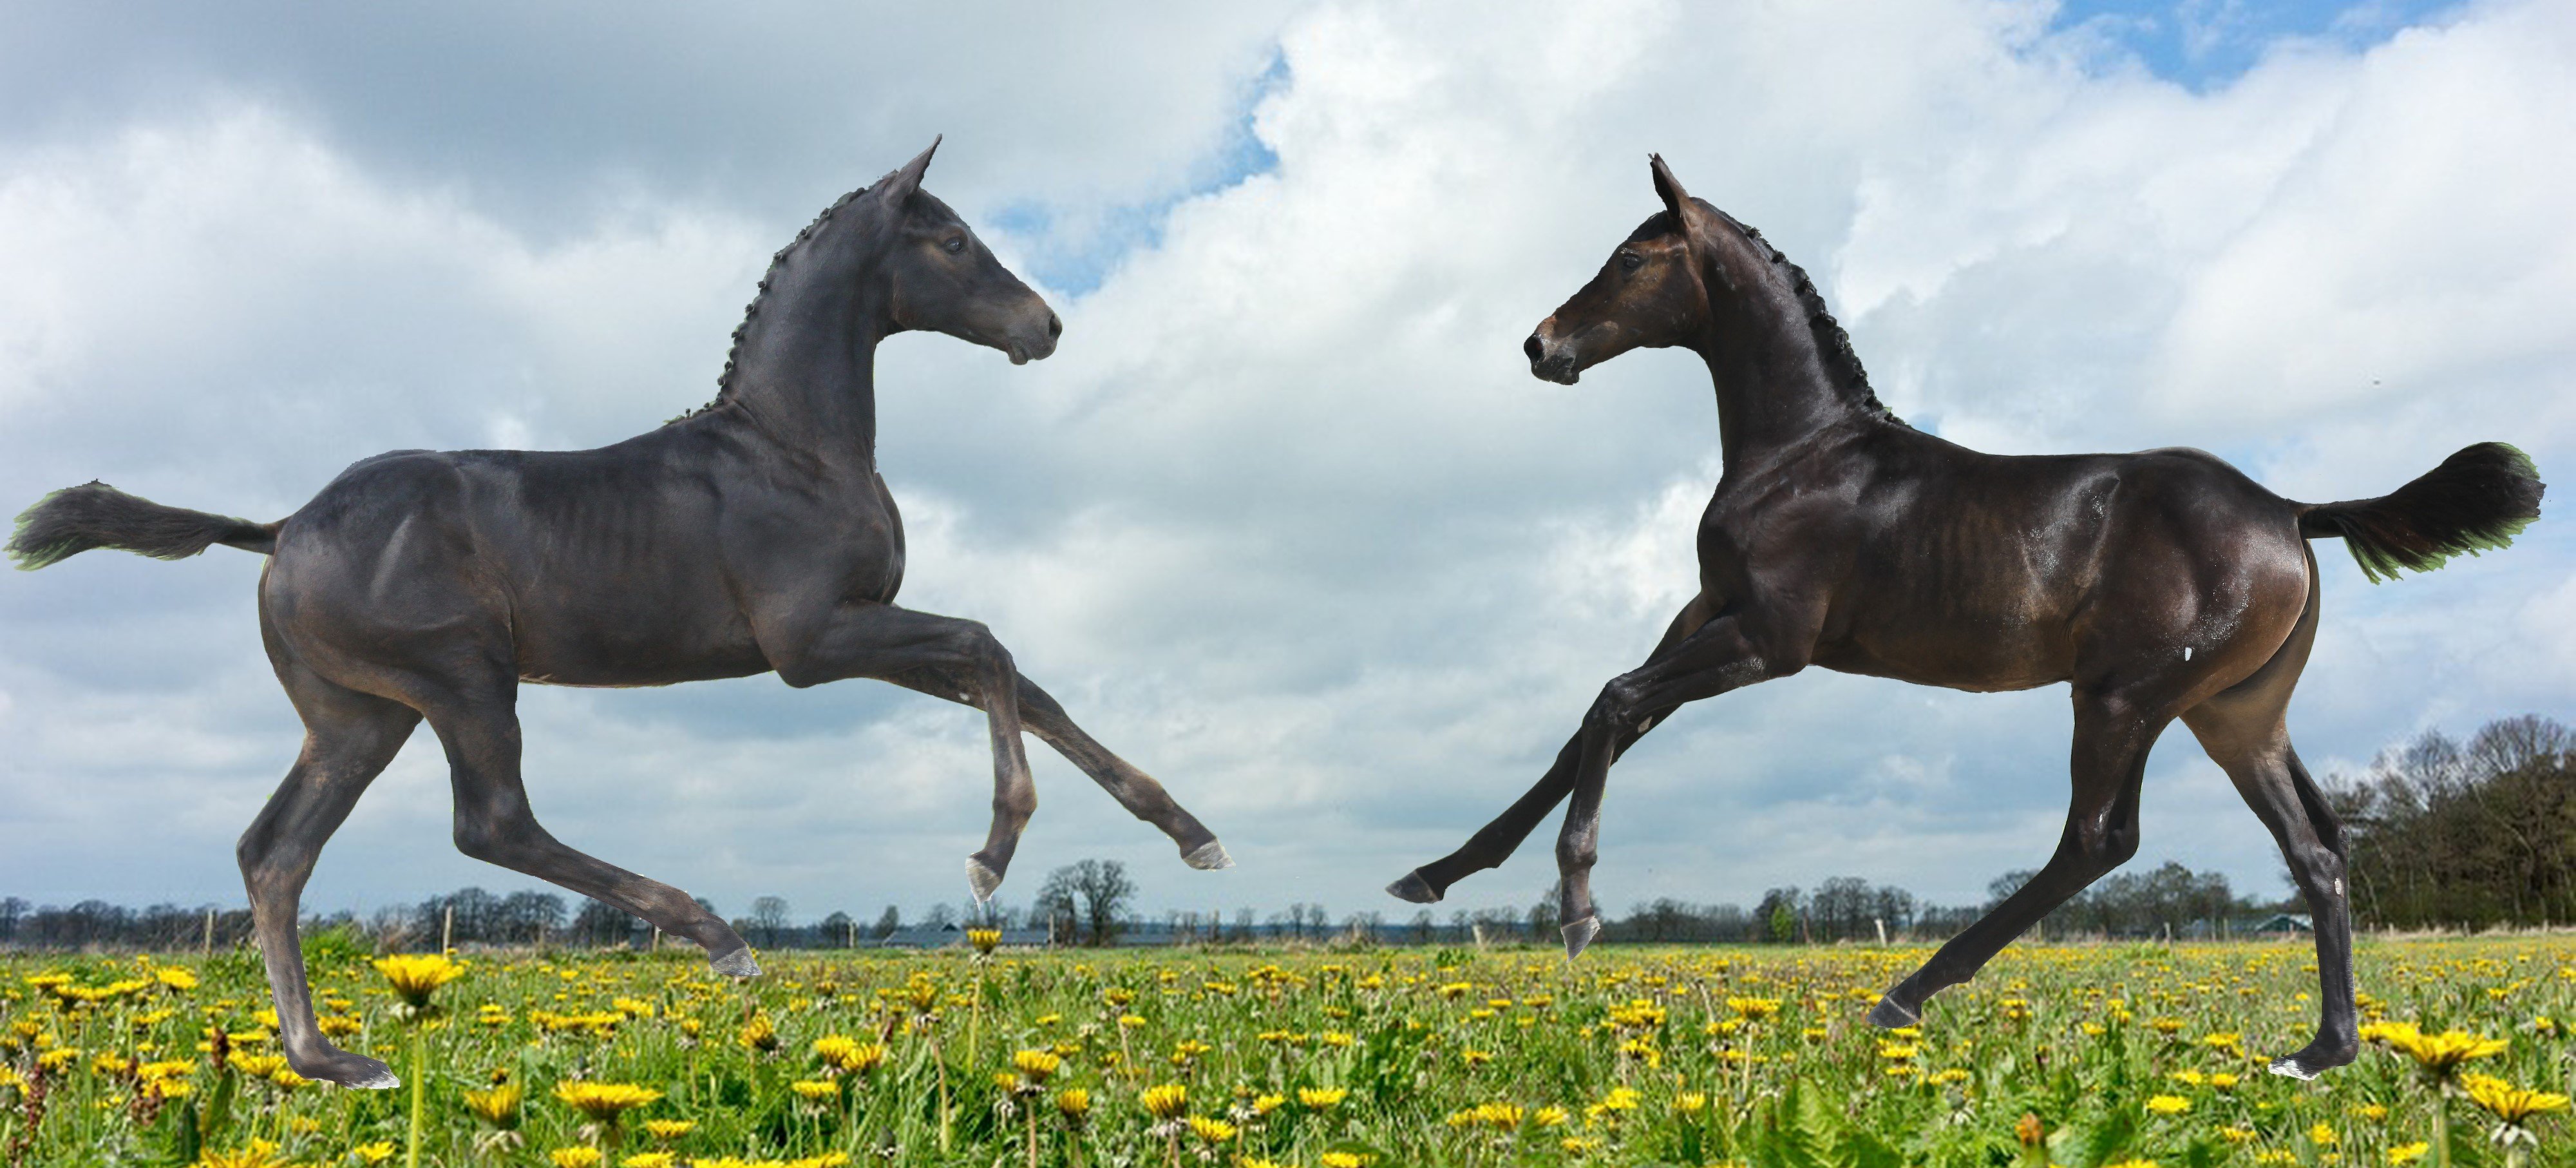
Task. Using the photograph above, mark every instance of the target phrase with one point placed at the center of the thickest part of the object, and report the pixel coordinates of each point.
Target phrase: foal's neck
(1774, 386)
(806, 370)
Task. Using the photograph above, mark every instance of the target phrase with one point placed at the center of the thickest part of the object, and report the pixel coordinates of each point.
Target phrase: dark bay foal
(2160, 585)
(751, 536)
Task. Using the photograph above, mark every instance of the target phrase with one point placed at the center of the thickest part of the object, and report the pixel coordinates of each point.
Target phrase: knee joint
(492, 839)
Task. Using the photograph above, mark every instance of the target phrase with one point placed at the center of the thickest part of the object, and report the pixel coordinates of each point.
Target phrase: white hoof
(1208, 857)
(981, 879)
(736, 964)
(380, 1081)
(1579, 933)
(2289, 1068)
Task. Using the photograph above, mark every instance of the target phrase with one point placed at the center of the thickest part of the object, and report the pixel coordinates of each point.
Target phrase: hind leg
(2244, 732)
(348, 739)
(480, 730)
(2113, 733)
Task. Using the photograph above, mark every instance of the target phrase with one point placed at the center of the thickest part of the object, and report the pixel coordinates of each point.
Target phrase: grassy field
(2083, 1056)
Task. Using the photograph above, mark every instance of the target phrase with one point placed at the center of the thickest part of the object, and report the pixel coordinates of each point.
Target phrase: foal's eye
(955, 244)
(1630, 261)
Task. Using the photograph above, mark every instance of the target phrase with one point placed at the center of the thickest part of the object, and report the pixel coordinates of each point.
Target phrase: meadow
(2084, 1056)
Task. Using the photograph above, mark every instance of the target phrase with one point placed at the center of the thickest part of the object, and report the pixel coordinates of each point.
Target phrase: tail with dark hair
(2477, 500)
(95, 515)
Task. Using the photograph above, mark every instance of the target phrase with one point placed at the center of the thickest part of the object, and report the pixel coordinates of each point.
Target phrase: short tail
(95, 515)
(2477, 500)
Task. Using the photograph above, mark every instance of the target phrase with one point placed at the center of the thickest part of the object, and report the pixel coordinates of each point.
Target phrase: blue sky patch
(2203, 44)
(1073, 252)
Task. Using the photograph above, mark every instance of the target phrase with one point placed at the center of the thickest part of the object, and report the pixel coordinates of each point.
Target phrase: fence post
(447, 931)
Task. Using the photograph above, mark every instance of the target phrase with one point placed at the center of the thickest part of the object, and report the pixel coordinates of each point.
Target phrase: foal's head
(943, 279)
(1652, 293)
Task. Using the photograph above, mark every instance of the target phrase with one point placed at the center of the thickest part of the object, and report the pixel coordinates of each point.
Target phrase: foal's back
(1995, 572)
(583, 567)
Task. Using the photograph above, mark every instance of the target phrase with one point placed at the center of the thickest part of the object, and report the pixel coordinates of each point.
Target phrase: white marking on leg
(2186, 652)
(2338, 886)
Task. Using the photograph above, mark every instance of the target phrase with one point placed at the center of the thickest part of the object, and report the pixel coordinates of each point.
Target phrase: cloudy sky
(1285, 521)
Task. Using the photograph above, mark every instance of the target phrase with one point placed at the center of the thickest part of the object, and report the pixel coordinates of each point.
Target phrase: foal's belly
(622, 634)
(2010, 659)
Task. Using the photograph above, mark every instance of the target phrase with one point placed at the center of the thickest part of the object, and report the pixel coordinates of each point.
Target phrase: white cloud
(1286, 522)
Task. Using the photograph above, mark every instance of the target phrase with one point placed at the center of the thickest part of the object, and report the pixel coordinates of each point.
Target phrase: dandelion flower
(2507, 1102)
(1214, 1131)
(1164, 1102)
(1036, 1065)
(574, 1157)
(2168, 1105)
(498, 1106)
(416, 976)
(604, 1102)
(1321, 1098)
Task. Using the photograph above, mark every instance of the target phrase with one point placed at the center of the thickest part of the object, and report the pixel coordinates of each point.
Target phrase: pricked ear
(898, 186)
(1669, 189)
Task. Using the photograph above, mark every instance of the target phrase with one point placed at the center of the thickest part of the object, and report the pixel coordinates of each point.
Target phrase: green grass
(1630, 1056)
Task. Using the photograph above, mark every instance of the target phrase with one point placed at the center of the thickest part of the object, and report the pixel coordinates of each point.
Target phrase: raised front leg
(1717, 658)
(931, 653)
(1134, 789)
(1495, 842)
(2113, 733)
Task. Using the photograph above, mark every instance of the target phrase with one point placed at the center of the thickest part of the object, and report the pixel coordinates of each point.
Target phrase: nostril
(1055, 326)
(1535, 350)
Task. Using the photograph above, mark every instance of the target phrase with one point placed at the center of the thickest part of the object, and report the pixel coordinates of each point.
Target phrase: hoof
(1208, 857)
(2289, 1068)
(1887, 1015)
(1414, 888)
(2317, 1059)
(354, 1071)
(1579, 933)
(736, 964)
(981, 879)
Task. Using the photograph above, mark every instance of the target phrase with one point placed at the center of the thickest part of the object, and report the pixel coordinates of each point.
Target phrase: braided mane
(1832, 343)
(725, 384)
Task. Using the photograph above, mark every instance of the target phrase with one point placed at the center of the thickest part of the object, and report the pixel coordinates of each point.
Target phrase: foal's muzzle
(1550, 362)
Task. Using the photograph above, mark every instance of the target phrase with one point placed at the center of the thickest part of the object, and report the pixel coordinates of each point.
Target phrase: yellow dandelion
(2437, 1056)
(2507, 1102)
(375, 1153)
(667, 1130)
(603, 1102)
(416, 976)
(2169, 1105)
(1073, 1103)
(498, 1106)
(575, 1157)
(1164, 1102)
(984, 940)
(816, 1090)
(1036, 1065)
(759, 1033)
(2407, 1153)
(648, 1160)
(1214, 1131)
(1321, 1098)
(1342, 1160)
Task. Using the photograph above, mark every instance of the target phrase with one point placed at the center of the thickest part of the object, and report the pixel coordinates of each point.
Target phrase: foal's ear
(899, 186)
(1669, 189)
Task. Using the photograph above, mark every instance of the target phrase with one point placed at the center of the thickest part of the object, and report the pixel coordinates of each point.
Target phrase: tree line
(2440, 833)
